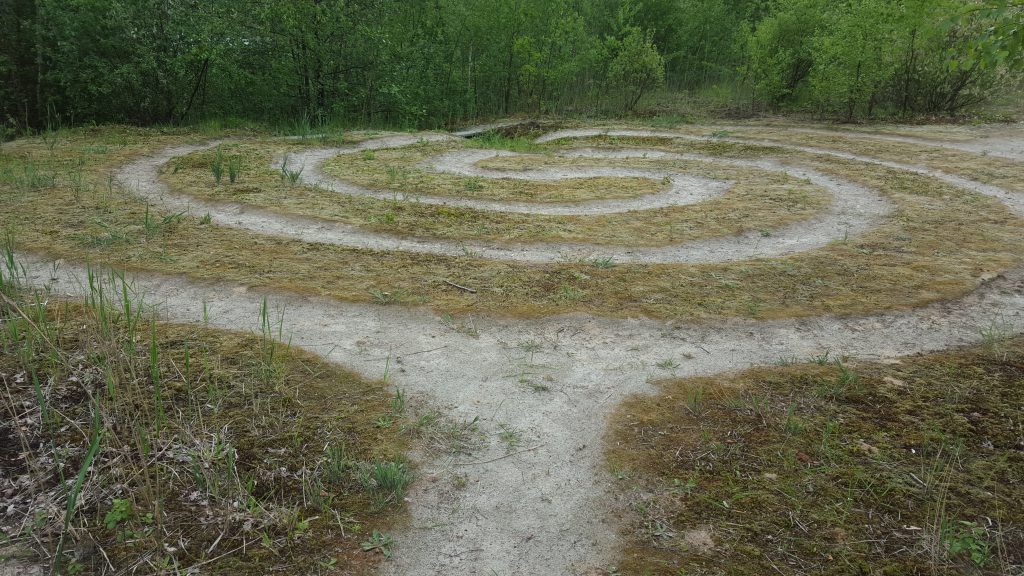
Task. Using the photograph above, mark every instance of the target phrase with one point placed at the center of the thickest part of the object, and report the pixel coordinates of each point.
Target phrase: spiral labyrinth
(740, 245)
(622, 196)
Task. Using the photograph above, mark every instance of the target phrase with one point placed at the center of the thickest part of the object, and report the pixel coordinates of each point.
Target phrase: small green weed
(995, 338)
(217, 166)
(793, 425)
(668, 364)
(387, 481)
(695, 401)
(398, 402)
(379, 542)
(568, 293)
(288, 175)
(510, 437)
(385, 298)
(120, 511)
(234, 168)
(970, 539)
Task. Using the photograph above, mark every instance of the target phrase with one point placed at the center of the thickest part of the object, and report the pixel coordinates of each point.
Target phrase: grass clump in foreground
(915, 467)
(130, 445)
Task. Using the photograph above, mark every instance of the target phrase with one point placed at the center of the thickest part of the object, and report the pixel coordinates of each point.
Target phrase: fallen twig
(460, 287)
(411, 353)
(523, 451)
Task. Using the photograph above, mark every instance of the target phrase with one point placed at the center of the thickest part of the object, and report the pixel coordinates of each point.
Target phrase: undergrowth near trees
(426, 64)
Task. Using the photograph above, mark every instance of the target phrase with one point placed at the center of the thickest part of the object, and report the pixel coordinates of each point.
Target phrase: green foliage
(234, 167)
(387, 481)
(379, 542)
(308, 66)
(853, 56)
(1000, 44)
(120, 511)
(867, 56)
(217, 166)
(637, 66)
(969, 539)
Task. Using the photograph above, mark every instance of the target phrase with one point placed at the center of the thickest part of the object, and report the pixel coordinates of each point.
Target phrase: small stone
(866, 448)
(894, 382)
(699, 540)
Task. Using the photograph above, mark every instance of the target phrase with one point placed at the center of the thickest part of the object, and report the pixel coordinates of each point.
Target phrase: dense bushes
(430, 62)
(862, 57)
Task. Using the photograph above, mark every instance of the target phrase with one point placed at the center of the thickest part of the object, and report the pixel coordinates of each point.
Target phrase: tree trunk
(200, 81)
(911, 56)
(39, 62)
(851, 99)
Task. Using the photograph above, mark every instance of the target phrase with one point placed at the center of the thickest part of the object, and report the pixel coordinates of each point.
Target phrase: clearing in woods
(589, 349)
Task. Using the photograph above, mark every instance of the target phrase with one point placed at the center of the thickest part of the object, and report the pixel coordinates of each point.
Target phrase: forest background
(434, 63)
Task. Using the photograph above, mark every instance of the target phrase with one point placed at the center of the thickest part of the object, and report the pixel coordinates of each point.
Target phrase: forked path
(546, 507)
(548, 510)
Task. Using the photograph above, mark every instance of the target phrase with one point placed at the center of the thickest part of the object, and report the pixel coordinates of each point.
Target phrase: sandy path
(1013, 201)
(682, 189)
(1011, 148)
(548, 510)
(854, 210)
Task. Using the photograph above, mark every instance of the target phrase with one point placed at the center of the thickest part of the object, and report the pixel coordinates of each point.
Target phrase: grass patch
(128, 444)
(496, 140)
(822, 468)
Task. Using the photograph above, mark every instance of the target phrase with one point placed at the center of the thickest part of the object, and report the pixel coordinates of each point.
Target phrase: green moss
(914, 467)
